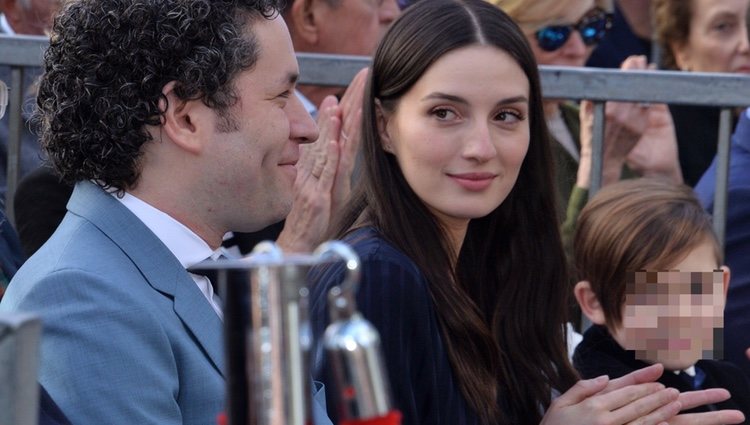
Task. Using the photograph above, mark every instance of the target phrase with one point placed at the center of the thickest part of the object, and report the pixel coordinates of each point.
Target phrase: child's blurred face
(670, 317)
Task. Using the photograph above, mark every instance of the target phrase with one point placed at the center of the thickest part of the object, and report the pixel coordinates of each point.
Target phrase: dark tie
(211, 274)
(694, 382)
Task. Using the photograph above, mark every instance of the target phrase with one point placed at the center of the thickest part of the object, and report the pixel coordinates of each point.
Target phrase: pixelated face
(671, 317)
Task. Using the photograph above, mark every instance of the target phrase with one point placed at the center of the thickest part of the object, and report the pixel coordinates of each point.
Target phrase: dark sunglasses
(593, 26)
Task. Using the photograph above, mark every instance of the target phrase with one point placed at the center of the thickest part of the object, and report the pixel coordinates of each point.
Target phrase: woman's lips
(474, 182)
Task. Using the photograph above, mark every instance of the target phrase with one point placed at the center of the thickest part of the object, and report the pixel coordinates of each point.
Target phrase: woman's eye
(508, 116)
(723, 27)
(443, 114)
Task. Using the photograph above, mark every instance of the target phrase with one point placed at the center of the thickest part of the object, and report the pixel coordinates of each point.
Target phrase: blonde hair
(531, 15)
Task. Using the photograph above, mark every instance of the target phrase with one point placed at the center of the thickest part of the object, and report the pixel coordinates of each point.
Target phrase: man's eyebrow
(290, 78)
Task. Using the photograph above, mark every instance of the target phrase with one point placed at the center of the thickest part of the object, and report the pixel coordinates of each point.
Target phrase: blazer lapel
(158, 265)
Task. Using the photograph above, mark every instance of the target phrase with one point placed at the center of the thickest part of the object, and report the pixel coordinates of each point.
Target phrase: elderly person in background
(701, 36)
(341, 27)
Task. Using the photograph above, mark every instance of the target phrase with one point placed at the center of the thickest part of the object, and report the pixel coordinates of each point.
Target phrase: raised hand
(324, 170)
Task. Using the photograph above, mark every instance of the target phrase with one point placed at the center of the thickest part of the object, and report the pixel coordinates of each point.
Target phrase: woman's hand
(324, 170)
(632, 399)
(636, 399)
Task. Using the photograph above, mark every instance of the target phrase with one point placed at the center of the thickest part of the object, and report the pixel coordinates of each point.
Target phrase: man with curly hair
(177, 122)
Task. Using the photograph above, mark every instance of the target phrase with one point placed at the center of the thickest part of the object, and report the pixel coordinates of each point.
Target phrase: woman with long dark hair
(464, 274)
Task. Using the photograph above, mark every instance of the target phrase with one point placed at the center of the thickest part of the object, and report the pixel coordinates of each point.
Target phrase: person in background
(340, 27)
(630, 35)
(701, 36)
(737, 243)
(463, 270)
(11, 255)
(23, 17)
(11, 259)
(652, 284)
(174, 134)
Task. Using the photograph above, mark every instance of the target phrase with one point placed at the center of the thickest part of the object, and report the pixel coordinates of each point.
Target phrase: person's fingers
(318, 157)
(351, 101)
(309, 152)
(719, 417)
(328, 172)
(623, 397)
(747, 353)
(581, 391)
(691, 399)
(650, 404)
(640, 376)
(634, 62)
(351, 137)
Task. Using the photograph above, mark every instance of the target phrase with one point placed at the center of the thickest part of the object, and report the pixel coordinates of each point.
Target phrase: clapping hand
(324, 170)
(636, 399)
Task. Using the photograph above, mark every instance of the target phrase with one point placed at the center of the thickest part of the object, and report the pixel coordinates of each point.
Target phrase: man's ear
(304, 22)
(381, 117)
(589, 303)
(183, 120)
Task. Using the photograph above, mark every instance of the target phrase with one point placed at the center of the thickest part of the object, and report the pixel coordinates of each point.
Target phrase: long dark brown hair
(502, 307)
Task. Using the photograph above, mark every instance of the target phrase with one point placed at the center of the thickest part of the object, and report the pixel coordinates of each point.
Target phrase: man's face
(670, 317)
(257, 146)
(355, 27)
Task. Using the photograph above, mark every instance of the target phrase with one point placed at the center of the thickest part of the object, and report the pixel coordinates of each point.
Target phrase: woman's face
(574, 52)
(461, 133)
(718, 38)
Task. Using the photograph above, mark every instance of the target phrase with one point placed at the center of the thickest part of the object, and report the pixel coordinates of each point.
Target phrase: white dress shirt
(188, 247)
(5, 26)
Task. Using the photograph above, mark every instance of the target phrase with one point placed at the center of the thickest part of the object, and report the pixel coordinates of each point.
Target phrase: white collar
(5, 25)
(690, 371)
(188, 247)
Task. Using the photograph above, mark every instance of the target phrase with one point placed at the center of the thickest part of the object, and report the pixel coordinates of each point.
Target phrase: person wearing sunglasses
(564, 33)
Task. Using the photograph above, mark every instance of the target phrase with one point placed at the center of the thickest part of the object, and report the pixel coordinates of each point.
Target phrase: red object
(392, 418)
(221, 419)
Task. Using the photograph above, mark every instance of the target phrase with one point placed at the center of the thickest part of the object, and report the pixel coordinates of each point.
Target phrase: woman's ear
(681, 53)
(589, 303)
(382, 121)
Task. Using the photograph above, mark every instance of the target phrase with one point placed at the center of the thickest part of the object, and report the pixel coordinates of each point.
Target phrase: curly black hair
(106, 66)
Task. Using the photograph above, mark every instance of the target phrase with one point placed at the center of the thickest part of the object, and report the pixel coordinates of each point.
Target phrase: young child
(652, 285)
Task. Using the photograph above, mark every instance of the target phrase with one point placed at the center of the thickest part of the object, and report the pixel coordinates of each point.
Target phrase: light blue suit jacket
(128, 336)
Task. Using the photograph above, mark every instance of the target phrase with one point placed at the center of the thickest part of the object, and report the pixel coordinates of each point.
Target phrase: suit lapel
(158, 265)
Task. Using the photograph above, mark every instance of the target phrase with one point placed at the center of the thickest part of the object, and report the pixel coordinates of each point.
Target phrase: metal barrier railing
(727, 91)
